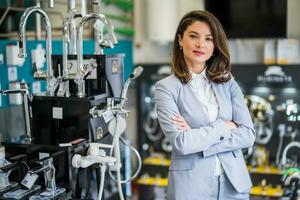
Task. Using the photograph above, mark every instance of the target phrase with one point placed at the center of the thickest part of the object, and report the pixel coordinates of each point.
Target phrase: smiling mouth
(199, 53)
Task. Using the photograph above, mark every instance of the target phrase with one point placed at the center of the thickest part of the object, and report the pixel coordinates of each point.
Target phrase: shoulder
(171, 83)
(234, 88)
(231, 84)
(168, 87)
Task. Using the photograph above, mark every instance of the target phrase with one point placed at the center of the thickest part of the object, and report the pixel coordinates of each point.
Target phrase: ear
(180, 40)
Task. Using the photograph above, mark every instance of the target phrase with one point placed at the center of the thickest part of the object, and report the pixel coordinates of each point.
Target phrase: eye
(209, 39)
(193, 36)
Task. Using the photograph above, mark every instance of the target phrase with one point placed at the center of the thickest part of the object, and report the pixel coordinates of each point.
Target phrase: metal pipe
(27, 118)
(38, 22)
(68, 37)
(22, 42)
(13, 91)
(25, 96)
(72, 24)
(113, 40)
(67, 26)
(83, 7)
(50, 3)
(98, 34)
(71, 4)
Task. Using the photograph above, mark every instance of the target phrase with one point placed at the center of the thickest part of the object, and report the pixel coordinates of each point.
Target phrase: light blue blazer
(192, 168)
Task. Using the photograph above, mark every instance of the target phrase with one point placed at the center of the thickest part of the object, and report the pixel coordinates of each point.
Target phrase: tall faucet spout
(22, 40)
(80, 68)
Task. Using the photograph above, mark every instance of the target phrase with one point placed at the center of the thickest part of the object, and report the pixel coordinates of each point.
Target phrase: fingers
(178, 117)
(177, 120)
(182, 127)
(180, 122)
(231, 124)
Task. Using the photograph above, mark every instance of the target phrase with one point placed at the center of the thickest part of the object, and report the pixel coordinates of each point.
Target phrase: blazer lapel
(195, 103)
(217, 92)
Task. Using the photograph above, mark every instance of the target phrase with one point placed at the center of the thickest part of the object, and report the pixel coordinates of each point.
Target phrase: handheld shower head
(136, 73)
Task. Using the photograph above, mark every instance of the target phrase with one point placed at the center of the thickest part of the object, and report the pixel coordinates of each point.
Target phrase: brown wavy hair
(218, 66)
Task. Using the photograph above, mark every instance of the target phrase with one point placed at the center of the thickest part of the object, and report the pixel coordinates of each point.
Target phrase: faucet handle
(45, 160)
(40, 75)
(106, 44)
(8, 167)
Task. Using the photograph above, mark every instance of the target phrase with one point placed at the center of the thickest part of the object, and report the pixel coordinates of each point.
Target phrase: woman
(202, 112)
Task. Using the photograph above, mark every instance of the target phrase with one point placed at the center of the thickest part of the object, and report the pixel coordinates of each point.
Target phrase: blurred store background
(45, 119)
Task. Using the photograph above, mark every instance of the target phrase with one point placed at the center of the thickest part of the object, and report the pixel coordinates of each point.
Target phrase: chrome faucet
(72, 25)
(98, 32)
(69, 30)
(81, 72)
(27, 97)
(69, 37)
(22, 45)
(4, 181)
(51, 191)
(49, 173)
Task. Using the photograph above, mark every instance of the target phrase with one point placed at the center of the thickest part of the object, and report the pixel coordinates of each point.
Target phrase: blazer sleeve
(244, 135)
(185, 142)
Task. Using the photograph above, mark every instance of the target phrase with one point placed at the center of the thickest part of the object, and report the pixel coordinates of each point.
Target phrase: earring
(180, 47)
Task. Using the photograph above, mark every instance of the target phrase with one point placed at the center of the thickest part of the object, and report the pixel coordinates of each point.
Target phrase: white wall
(147, 51)
(293, 23)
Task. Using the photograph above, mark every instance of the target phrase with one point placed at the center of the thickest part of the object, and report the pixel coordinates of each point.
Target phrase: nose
(200, 43)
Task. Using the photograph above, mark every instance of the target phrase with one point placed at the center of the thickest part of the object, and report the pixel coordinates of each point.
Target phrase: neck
(197, 69)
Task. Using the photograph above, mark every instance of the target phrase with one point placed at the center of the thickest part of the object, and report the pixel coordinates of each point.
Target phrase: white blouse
(202, 88)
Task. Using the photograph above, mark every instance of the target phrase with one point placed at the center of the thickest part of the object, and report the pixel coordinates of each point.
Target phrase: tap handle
(20, 157)
(45, 160)
(50, 3)
(106, 44)
(45, 163)
(36, 170)
(9, 167)
(57, 154)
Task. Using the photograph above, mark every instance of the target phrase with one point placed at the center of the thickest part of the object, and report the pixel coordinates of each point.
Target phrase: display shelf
(154, 181)
(157, 161)
(267, 191)
(264, 170)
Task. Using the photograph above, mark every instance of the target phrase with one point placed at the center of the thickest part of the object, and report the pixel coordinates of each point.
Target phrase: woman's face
(197, 45)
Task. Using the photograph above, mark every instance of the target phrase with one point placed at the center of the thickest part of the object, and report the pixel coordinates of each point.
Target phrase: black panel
(251, 18)
(75, 123)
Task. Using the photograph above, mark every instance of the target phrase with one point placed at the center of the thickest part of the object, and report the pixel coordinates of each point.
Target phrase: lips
(199, 53)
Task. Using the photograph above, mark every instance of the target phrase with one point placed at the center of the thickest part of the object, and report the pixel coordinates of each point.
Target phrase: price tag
(29, 180)
(107, 115)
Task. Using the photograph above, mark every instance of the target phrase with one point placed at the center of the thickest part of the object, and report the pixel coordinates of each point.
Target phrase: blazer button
(221, 138)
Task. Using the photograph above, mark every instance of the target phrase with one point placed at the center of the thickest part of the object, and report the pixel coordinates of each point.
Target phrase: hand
(180, 122)
(231, 124)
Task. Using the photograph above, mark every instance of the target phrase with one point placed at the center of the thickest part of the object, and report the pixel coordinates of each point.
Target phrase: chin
(200, 61)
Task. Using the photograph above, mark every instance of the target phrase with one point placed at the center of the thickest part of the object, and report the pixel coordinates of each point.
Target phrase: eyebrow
(194, 32)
